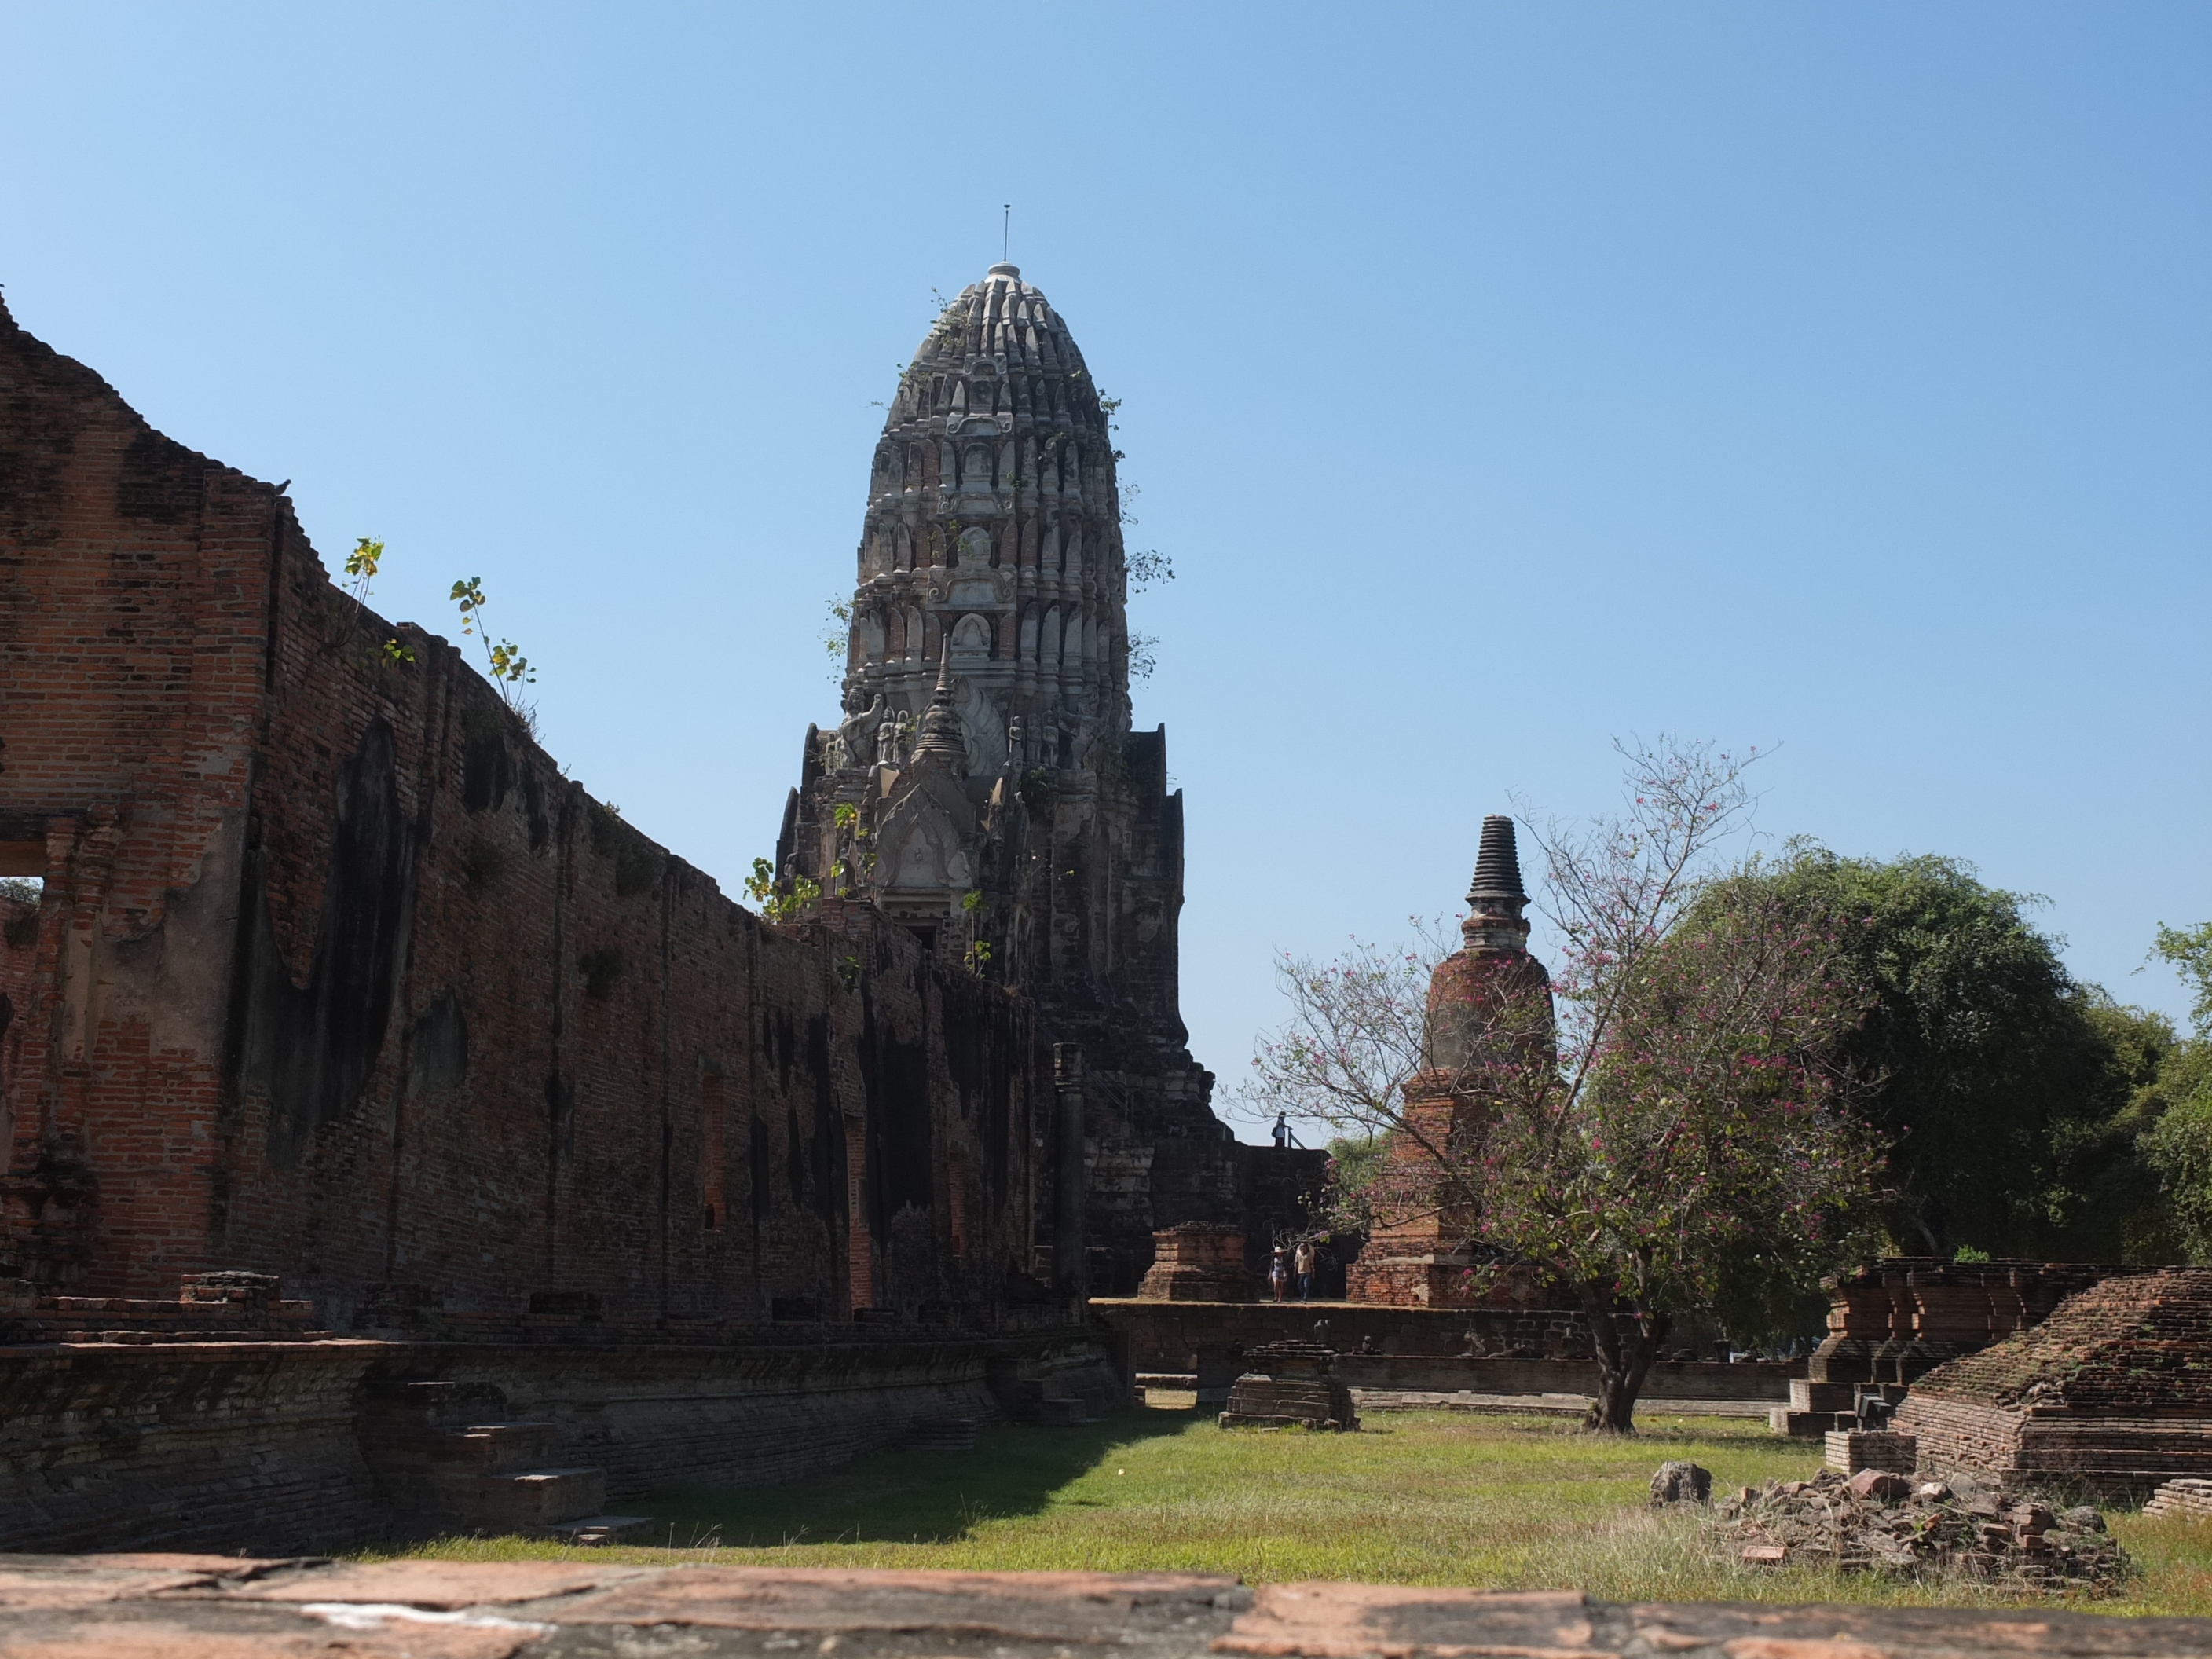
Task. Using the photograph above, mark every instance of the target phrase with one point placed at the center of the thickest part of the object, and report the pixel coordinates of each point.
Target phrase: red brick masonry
(338, 977)
(123, 1606)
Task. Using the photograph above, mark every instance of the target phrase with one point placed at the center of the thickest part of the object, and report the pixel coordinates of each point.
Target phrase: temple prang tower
(983, 786)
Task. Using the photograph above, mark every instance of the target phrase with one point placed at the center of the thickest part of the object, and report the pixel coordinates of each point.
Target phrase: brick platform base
(79, 1607)
(261, 1446)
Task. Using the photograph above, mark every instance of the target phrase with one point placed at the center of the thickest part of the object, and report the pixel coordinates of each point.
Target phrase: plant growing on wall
(837, 633)
(1150, 568)
(508, 668)
(781, 899)
(361, 567)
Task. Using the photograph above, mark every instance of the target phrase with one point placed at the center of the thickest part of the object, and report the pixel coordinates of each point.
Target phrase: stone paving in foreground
(198, 1607)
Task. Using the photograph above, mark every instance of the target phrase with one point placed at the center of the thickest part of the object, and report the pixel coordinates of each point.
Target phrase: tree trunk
(1623, 1360)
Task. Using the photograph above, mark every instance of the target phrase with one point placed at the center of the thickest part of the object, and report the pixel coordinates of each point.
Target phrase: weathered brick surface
(2113, 1392)
(1896, 1319)
(19, 939)
(338, 977)
(259, 1445)
(214, 1445)
(1196, 1262)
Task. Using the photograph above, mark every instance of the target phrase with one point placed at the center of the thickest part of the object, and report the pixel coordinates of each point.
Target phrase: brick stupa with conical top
(1485, 1004)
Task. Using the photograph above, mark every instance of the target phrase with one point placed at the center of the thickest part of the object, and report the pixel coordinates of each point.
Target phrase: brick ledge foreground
(200, 1606)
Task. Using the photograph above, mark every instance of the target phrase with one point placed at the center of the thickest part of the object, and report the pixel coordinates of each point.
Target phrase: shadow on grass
(902, 1496)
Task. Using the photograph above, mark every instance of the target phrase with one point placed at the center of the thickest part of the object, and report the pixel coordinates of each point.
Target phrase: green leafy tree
(2178, 1145)
(2190, 951)
(2000, 1085)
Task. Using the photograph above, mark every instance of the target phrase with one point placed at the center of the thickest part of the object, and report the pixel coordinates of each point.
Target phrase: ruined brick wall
(19, 940)
(214, 1445)
(338, 977)
(265, 1445)
(1896, 1319)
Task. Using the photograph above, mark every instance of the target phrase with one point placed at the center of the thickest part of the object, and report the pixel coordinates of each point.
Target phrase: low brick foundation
(184, 1445)
(2193, 1499)
(259, 1446)
(2111, 1392)
(1415, 1350)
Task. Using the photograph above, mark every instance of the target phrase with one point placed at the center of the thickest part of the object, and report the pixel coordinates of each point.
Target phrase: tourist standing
(1305, 1269)
(1278, 1273)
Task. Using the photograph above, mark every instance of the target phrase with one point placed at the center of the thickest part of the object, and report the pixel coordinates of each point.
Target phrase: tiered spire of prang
(993, 521)
(1495, 899)
(983, 787)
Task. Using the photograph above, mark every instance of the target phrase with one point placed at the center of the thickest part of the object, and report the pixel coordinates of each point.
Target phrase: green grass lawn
(1416, 1498)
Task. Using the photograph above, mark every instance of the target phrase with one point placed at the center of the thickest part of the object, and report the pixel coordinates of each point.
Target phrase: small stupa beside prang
(1421, 1255)
(1290, 1385)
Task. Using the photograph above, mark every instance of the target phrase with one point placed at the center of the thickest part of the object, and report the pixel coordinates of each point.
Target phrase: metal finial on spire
(1007, 236)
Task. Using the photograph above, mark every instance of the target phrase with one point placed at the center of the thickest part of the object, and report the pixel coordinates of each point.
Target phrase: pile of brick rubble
(1877, 1521)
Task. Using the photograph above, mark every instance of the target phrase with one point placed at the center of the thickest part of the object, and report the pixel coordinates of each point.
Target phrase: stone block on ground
(536, 1497)
(1807, 1395)
(593, 1529)
(1806, 1426)
(1882, 1486)
(1681, 1482)
(1290, 1386)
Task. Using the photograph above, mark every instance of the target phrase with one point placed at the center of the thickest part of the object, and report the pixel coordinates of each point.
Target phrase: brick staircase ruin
(445, 1461)
(227, 1306)
(1892, 1322)
(2110, 1395)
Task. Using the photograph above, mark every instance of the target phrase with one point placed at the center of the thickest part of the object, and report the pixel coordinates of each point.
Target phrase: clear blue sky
(1499, 379)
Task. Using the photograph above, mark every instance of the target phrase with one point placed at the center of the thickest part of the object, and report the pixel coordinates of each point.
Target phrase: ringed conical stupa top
(1497, 865)
(992, 534)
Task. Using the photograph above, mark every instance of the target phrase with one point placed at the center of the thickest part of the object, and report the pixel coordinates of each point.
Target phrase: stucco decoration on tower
(994, 520)
(982, 786)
